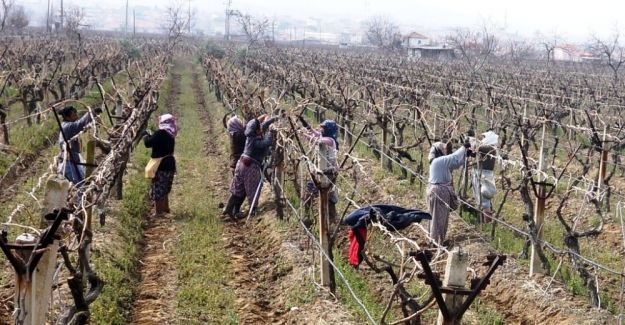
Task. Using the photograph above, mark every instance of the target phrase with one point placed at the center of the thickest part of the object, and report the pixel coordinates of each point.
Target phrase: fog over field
(572, 20)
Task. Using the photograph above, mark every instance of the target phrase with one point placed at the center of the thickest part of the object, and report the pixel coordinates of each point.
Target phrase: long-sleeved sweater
(441, 167)
(163, 145)
(256, 147)
(71, 129)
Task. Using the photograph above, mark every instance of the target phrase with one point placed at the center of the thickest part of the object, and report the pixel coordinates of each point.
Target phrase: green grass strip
(202, 266)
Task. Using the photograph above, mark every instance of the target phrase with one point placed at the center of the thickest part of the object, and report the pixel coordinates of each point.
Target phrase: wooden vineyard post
(539, 210)
(277, 179)
(455, 277)
(37, 293)
(602, 163)
(88, 172)
(323, 237)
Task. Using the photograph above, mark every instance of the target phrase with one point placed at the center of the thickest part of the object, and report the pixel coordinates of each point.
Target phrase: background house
(421, 46)
(415, 39)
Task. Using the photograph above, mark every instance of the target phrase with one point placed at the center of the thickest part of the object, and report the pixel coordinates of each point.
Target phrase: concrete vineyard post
(455, 277)
(38, 292)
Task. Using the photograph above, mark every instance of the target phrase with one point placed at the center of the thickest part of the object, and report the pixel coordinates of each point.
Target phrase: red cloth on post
(355, 246)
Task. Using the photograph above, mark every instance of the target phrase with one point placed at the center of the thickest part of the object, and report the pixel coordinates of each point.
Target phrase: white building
(415, 39)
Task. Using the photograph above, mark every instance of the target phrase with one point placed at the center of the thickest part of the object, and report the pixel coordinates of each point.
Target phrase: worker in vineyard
(441, 197)
(162, 166)
(70, 163)
(247, 181)
(483, 176)
(236, 134)
(326, 137)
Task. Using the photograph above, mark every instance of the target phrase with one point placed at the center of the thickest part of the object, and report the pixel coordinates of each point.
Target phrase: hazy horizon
(571, 22)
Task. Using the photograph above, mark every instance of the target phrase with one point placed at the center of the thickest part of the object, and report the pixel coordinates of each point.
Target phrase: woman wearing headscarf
(326, 137)
(441, 197)
(162, 166)
(236, 133)
(247, 181)
(483, 175)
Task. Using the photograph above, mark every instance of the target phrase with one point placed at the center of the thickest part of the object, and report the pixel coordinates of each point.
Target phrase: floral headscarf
(235, 125)
(167, 122)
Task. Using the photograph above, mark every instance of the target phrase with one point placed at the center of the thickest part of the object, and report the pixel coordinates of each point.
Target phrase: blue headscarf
(329, 128)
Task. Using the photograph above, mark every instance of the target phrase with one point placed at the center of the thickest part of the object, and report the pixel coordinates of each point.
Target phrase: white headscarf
(490, 139)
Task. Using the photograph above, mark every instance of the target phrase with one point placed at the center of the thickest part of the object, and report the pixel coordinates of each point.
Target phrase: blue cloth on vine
(392, 215)
(329, 128)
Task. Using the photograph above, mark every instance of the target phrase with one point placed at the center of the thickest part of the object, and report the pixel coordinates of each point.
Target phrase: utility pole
(134, 23)
(126, 26)
(62, 13)
(273, 29)
(189, 20)
(48, 19)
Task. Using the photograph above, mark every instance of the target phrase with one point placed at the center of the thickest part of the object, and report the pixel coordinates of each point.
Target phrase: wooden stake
(323, 236)
(602, 163)
(539, 210)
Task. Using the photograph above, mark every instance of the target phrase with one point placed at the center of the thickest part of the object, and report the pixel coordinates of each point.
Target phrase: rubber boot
(229, 209)
(236, 208)
(166, 204)
(159, 208)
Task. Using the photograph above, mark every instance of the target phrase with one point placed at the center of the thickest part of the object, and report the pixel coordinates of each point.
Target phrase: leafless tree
(611, 51)
(519, 49)
(74, 20)
(5, 10)
(549, 44)
(253, 28)
(176, 21)
(380, 31)
(18, 19)
(475, 46)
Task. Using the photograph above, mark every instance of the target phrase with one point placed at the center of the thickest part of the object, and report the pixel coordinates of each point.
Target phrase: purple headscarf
(167, 122)
(235, 125)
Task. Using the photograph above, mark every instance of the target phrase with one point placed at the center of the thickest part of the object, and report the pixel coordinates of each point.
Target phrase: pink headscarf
(167, 122)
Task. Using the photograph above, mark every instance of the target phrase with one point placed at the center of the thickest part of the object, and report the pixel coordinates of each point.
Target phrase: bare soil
(520, 299)
(270, 263)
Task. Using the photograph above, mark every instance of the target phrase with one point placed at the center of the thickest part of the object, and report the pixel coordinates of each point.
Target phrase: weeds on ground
(116, 261)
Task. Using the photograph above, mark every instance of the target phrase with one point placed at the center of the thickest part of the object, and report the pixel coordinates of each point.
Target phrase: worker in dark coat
(70, 163)
(247, 181)
(162, 166)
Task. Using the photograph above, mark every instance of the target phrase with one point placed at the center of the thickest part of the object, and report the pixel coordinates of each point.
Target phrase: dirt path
(156, 290)
(252, 258)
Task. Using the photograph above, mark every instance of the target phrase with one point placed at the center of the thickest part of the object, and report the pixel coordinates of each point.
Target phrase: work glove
(97, 110)
(470, 153)
(466, 143)
(471, 133)
(303, 121)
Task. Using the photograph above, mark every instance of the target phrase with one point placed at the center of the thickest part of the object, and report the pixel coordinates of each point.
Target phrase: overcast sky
(571, 19)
